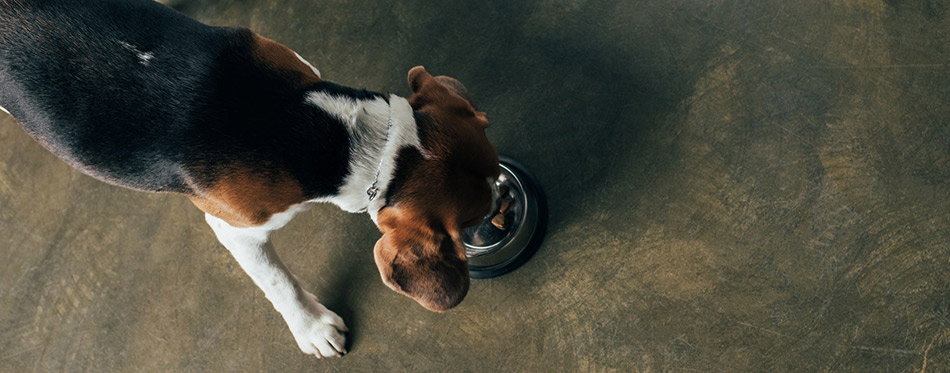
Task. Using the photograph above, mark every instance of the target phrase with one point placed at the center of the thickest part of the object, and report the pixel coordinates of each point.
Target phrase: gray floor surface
(734, 186)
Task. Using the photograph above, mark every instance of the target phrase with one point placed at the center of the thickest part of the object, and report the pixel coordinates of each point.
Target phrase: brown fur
(284, 61)
(417, 258)
(245, 198)
(421, 254)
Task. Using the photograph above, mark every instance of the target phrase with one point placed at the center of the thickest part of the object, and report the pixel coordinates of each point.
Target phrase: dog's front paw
(318, 331)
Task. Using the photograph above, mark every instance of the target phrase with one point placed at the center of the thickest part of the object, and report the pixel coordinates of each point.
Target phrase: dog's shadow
(340, 297)
(345, 269)
(567, 98)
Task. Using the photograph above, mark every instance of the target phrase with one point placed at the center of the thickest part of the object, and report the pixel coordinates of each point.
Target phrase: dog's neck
(374, 145)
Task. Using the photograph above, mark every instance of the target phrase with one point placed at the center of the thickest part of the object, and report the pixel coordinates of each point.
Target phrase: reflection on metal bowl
(511, 234)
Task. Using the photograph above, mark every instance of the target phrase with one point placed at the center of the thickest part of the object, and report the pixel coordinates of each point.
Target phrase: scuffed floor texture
(734, 186)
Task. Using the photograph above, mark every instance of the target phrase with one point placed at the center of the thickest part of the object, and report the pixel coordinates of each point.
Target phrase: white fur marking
(144, 57)
(317, 330)
(315, 71)
(344, 108)
(366, 123)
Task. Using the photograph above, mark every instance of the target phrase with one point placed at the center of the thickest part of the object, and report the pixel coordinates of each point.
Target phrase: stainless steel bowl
(511, 234)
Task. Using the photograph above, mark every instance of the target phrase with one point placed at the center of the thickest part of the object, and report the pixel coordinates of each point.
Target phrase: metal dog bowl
(511, 234)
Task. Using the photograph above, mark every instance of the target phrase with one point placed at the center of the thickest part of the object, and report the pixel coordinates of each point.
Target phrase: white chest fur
(373, 145)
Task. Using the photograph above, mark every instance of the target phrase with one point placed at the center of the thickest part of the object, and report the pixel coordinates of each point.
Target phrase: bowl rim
(527, 180)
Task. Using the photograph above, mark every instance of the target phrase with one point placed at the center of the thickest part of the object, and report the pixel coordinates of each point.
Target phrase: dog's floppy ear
(421, 263)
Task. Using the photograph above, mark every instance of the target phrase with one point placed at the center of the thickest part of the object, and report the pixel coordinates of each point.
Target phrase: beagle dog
(137, 95)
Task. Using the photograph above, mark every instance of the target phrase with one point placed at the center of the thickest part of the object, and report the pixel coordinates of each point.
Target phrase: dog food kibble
(499, 221)
(505, 203)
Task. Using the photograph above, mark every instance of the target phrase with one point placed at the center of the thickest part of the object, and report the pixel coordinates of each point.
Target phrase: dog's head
(435, 195)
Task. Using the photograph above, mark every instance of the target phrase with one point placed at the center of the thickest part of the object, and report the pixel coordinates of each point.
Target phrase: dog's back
(138, 95)
(106, 83)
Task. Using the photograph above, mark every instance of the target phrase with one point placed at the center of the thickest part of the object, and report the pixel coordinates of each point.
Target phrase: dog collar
(401, 132)
(373, 191)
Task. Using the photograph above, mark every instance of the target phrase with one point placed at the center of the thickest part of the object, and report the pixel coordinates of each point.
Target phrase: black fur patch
(138, 95)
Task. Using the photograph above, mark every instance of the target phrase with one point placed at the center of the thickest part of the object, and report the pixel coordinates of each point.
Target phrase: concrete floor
(734, 186)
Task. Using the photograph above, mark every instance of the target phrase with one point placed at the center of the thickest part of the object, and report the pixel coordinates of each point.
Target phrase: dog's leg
(318, 331)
